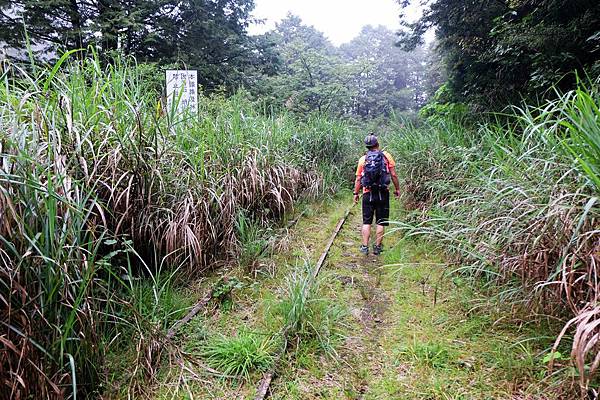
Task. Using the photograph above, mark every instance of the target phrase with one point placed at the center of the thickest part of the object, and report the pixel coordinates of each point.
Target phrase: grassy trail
(400, 330)
(410, 333)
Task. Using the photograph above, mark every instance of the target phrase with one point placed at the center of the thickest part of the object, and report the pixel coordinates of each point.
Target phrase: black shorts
(376, 204)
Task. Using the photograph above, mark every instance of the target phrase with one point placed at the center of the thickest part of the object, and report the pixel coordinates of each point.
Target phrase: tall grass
(515, 201)
(100, 186)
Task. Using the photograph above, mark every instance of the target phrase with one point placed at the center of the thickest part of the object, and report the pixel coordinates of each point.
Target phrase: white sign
(182, 89)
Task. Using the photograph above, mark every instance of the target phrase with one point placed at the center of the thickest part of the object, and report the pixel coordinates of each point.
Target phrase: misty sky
(340, 20)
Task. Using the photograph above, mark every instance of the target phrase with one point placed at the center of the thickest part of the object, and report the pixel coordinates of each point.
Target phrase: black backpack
(375, 173)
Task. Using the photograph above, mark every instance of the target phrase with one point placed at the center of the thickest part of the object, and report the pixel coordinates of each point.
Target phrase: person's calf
(379, 234)
(366, 233)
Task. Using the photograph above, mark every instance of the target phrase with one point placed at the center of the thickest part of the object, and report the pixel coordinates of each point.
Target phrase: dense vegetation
(101, 186)
(155, 31)
(109, 202)
(515, 204)
(497, 52)
(513, 195)
(366, 78)
(293, 67)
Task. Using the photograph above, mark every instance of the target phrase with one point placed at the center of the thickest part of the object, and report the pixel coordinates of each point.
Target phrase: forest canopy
(293, 66)
(207, 35)
(489, 53)
(497, 51)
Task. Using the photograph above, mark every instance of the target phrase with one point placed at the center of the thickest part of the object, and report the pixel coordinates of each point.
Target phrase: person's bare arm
(356, 189)
(396, 182)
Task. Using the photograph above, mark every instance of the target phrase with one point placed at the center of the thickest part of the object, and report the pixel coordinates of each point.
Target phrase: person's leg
(368, 211)
(379, 234)
(366, 233)
(382, 215)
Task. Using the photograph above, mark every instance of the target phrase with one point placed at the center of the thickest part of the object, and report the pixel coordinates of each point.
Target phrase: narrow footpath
(394, 326)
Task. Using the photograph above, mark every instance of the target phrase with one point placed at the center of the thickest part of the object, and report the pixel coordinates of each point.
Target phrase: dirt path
(386, 327)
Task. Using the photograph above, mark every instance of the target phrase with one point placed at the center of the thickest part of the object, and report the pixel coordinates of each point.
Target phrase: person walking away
(374, 172)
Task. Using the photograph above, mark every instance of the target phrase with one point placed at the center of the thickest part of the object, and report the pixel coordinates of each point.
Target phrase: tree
(208, 35)
(313, 76)
(71, 24)
(211, 37)
(368, 77)
(496, 51)
(392, 79)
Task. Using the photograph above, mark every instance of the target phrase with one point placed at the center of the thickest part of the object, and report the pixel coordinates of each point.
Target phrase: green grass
(458, 347)
(265, 304)
(240, 355)
(313, 319)
(461, 347)
(434, 355)
(513, 202)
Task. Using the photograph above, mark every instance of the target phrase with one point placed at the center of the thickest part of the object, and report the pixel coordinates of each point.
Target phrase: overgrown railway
(365, 327)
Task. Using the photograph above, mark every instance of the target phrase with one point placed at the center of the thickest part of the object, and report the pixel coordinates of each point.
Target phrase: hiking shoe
(377, 249)
(364, 249)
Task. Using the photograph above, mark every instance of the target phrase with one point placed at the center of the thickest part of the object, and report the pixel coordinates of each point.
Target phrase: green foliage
(367, 77)
(552, 356)
(294, 307)
(434, 355)
(252, 241)
(156, 300)
(390, 79)
(579, 116)
(159, 31)
(515, 202)
(223, 289)
(440, 107)
(313, 77)
(495, 52)
(307, 316)
(240, 355)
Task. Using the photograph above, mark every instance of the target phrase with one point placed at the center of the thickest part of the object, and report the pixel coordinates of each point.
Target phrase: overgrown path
(394, 326)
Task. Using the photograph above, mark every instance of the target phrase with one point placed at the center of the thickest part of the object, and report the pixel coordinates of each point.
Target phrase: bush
(442, 108)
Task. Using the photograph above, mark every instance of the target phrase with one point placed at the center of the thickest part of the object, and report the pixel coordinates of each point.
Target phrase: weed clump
(307, 316)
(240, 355)
(434, 355)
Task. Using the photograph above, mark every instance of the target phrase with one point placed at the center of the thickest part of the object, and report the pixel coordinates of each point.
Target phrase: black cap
(371, 141)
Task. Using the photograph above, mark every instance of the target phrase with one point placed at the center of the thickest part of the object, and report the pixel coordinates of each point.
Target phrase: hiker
(375, 169)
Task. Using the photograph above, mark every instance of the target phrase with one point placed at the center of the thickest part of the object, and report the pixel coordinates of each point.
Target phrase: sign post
(182, 90)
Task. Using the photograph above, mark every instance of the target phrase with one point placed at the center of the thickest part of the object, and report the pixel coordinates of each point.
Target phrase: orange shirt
(389, 161)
